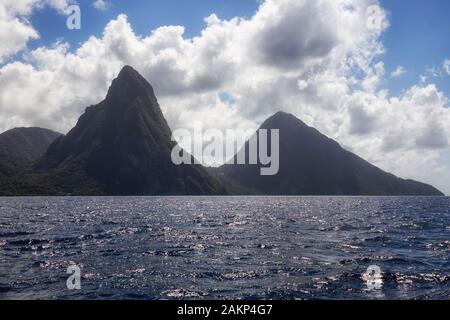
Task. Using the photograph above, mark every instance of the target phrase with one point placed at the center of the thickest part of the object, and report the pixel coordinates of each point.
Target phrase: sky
(372, 74)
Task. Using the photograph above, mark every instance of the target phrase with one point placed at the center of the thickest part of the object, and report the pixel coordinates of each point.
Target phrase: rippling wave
(225, 247)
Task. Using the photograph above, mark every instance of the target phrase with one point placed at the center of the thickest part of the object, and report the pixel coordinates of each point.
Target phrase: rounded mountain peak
(128, 71)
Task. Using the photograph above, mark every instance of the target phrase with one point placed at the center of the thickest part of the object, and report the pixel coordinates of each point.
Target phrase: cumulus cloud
(314, 58)
(100, 5)
(433, 137)
(15, 29)
(398, 72)
(361, 121)
(14, 34)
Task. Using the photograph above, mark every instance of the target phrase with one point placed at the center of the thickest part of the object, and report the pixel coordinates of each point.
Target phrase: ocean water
(225, 247)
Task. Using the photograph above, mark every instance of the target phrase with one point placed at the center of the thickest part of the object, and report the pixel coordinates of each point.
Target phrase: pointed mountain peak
(281, 120)
(123, 146)
(283, 115)
(129, 84)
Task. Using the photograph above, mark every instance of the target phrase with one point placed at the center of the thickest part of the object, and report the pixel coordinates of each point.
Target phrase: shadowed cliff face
(124, 144)
(312, 164)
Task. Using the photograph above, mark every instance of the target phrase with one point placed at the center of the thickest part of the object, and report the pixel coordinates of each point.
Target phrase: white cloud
(430, 73)
(14, 34)
(314, 58)
(398, 72)
(100, 5)
(446, 66)
(15, 29)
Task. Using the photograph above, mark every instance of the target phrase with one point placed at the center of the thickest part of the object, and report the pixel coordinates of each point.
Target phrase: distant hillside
(312, 164)
(19, 149)
(27, 144)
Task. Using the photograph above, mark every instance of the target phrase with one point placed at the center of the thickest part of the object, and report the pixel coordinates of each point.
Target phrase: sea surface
(225, 247)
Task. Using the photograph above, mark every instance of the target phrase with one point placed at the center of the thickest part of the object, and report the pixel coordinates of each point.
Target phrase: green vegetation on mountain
(123, 145)
(27, 144)
(19, 148)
